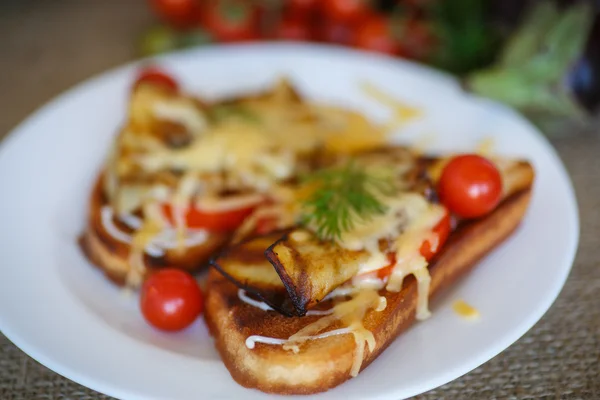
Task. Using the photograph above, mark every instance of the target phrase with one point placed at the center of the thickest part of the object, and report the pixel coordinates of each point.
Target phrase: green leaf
(466, 38)
(531, 73)
(342, 196)
(220, 112)
(526, 41)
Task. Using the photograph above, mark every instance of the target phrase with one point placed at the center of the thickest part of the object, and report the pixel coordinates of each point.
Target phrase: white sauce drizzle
(130, 220)
(106, 214)
(252, 340)
(243, 296)
(255, 303)
(167, 239)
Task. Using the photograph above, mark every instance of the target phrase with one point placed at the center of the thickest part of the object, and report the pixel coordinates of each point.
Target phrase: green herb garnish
(342, 195)
(223, 111)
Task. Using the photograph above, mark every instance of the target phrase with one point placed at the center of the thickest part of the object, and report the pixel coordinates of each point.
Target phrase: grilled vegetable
(311, 268)
(246, 266)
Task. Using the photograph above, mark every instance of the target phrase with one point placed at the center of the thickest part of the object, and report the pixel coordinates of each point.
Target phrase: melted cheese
(182, 111)
(180, 205)
(410, 218)
(211, 203)
(465, 310)
(236, 148)
(485, 148)
(408, 252)
(152, 226)
(349, 313)
(401, 112)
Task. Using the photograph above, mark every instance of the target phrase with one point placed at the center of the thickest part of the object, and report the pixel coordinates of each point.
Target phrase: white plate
(63, 313)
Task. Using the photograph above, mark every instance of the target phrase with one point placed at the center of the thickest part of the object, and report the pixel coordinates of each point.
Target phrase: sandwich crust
(325, 363)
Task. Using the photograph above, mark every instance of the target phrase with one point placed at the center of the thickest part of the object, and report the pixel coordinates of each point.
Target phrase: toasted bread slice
(325, 363)
(111, 255)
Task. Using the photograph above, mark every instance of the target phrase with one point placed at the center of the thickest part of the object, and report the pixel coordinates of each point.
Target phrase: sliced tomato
(387, 270)
(442, 230)
(222, 221)
(265, 225)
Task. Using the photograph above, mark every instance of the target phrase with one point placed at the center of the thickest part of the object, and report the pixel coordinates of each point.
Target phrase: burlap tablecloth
(48, 45)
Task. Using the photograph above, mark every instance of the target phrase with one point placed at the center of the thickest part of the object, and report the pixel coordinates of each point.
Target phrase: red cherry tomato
(302, 6)
(470, 186)
(292, 27)
(171, 300)
(181, 13)
(335, 32)
(156, 76)
(346, 11)
(224, 221)
(374, 34)
(418, 40)
(231, 20)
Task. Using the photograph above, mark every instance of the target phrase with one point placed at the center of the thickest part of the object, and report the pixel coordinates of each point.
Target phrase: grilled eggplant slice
(246, 266)
(310, 268)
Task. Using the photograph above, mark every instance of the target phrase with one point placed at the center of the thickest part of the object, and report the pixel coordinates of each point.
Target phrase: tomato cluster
(394, 27)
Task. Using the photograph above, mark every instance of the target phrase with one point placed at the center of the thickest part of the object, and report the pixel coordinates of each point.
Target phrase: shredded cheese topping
(252, 153)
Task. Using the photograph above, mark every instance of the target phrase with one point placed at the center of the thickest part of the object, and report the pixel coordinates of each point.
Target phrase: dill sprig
(342, 195)
(223, 111)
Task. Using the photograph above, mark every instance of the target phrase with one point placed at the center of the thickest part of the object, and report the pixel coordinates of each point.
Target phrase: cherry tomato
(302, 6)
(291, 27)
(171, 300)
(231, 20)
(156, 76)
(335, 32)
(181, 13)
(470, 186)
(346, 11)
(223, 221)
(374, 34)
(417, 39)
